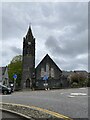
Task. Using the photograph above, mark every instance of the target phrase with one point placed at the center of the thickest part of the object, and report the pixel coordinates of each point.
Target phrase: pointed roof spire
(29, 30)
(29, 33)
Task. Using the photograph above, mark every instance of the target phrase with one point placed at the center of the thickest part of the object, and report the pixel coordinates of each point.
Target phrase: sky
(60, 30)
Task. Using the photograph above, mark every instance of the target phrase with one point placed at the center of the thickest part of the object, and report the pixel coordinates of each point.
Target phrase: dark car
(5, 90)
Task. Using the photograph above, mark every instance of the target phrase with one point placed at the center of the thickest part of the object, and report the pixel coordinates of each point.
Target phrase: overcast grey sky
(60, 29)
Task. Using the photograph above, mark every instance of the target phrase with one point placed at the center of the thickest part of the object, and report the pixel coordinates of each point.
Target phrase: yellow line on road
(42, 110)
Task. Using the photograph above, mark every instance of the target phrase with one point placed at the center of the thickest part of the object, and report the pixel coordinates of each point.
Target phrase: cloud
(60, 29)
(67, 46)
(16, 50)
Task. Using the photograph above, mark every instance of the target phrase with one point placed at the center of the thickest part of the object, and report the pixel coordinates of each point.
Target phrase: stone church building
(33, 77)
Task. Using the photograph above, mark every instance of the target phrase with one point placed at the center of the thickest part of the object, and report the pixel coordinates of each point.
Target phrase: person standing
(45, 78)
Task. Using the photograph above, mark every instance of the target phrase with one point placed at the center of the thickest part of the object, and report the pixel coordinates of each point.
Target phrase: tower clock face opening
(29, 43)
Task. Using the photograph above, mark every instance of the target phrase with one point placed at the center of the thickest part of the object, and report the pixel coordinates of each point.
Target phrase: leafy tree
(79, 79)
(15, 67)
(88, 80)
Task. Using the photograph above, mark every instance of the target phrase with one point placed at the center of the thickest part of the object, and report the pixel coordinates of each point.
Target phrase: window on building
(47, 70)
(42, 72)
(52, 72)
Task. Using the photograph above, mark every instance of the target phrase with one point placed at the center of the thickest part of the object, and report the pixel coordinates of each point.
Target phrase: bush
(88, 84)
(74, 85)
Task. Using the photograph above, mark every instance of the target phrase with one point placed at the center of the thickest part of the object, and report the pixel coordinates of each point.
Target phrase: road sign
(15, 76)
(45, 77)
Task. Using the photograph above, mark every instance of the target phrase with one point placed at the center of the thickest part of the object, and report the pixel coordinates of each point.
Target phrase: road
(69, 102)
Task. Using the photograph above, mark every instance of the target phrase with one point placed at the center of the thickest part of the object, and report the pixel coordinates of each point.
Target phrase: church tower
(28, 71)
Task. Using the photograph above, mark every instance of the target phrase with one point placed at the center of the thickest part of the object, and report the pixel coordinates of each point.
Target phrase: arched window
(42, 72)
(52, 72)
(47, 70)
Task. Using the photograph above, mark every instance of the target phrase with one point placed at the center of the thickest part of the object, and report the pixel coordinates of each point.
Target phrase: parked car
(5, 90)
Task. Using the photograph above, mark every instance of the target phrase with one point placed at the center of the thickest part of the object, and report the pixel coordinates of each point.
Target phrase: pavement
(10, 116)
(69, 102)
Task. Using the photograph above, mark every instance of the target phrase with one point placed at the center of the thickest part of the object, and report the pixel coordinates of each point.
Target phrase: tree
(15, 67)
(88, 80)
(78, 80)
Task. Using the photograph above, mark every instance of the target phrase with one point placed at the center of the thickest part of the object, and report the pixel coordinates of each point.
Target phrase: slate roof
(67, 73)
(80, 71)
(46, 58)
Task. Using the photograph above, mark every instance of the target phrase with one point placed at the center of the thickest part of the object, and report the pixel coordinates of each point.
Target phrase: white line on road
(70, 96)
(78, 94)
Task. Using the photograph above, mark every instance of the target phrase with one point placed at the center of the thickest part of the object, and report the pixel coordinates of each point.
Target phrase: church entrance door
(28, 83)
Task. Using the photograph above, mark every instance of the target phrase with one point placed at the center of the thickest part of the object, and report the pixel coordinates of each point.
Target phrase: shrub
(74, 85)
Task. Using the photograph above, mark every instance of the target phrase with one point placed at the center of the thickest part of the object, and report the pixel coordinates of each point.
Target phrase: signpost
(15, 77)
(45, 78)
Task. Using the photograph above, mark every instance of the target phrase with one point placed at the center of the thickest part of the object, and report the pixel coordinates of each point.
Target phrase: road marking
(78, 94)
(70, 96)
(42, 110)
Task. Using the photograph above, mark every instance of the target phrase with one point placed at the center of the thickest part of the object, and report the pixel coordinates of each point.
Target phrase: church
(34, 77)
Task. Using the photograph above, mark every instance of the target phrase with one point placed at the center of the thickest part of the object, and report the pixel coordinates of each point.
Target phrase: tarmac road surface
(69, 102)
